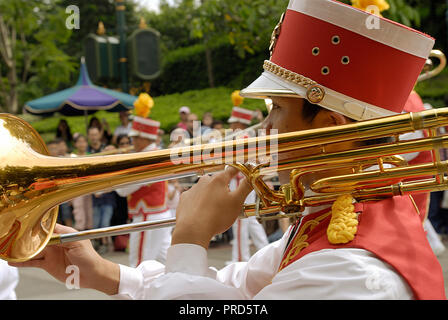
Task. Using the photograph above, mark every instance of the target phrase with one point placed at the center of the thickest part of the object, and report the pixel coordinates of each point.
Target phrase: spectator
(123, 141)
(56, 149)
(104, 129)
(124, 128)
(63, 132)
(192, 119)
(437, 212)
(94, 138)
(81, 145)
(177, 137)
(120, 215)
(184, 112)
(53, 148)
(103, 203)
(207, 122)
(218, 125)
(63, 148)
(82, 206)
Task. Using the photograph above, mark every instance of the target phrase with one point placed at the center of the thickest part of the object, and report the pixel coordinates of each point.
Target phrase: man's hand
(95, 272)
(209, 208)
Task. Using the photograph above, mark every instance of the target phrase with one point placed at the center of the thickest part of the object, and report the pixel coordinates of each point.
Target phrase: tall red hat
(241, 115)
(141, 125)
(145, 128)
(328, 52)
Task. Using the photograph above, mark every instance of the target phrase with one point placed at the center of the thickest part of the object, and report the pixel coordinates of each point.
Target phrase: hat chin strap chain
(325, 97)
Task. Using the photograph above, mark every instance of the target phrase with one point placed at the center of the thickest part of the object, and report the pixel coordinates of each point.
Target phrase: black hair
(122, 136)
(76, 136)
(217, 122)
(310, 111)
(68, 131)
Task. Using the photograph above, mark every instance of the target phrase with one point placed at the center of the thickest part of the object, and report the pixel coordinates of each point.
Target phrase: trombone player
(326, 69)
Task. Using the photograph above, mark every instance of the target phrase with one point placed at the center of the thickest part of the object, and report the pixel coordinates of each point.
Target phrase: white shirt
(172, 203)
(325, 274)
(123, 130)
(9, 278)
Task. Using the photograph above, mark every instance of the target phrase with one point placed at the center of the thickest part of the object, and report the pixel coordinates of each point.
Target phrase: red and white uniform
(148, 202)
(242, 229)
(378, 264)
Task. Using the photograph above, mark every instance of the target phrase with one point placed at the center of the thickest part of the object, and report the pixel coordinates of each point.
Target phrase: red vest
(149, 199)
(392, 230)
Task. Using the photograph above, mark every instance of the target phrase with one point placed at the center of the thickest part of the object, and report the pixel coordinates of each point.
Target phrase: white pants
(151, 244)
(242, 229)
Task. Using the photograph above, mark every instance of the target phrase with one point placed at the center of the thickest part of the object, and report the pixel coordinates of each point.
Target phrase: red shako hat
(141, 125)
(326, 52)
(241, 115)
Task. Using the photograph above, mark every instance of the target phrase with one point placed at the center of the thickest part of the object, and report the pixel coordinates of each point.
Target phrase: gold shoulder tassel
(344, 221)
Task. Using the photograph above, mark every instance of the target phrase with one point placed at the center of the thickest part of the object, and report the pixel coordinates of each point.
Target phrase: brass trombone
(32, 183)
(429, 71)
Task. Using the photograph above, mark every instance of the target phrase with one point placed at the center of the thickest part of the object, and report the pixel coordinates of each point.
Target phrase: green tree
(174, 23)
(31, 33)
(246, 25)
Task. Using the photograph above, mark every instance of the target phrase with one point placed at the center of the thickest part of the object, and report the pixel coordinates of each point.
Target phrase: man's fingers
(243, 190)
(60, 229)
(228, 174)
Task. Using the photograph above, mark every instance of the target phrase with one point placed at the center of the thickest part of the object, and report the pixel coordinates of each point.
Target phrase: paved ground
(37, 284)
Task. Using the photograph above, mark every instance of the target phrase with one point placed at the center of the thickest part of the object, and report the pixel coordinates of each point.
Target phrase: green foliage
(39, 62)
(401, 12)
(247, 25)
(185, 69)
(173, 23)
(434, 90)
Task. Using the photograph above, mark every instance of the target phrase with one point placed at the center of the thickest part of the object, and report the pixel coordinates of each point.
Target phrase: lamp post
(121, 28)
